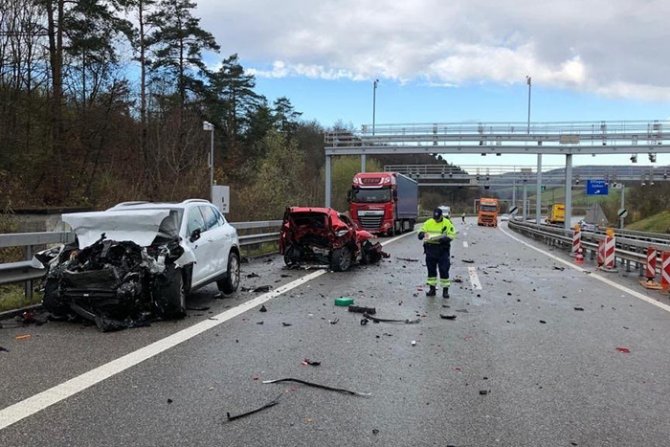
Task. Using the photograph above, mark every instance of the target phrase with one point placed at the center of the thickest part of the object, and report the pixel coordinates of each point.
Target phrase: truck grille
(370, 222)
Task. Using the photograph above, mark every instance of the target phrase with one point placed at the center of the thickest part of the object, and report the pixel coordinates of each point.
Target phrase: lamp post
(209, 127)
(528, 81)
(374, 104)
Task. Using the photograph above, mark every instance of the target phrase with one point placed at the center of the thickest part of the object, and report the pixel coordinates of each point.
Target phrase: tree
(285, 116)
(177, 42)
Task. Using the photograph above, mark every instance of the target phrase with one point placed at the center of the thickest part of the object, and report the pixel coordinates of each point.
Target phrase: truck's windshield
(370, 195)
(488, 208)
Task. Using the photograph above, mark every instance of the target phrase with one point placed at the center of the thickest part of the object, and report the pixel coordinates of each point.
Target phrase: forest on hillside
(103, 101)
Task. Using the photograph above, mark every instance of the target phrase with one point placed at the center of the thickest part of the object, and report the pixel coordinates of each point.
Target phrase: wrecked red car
(324, 236)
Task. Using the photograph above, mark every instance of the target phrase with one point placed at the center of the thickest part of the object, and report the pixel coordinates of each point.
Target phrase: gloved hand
(421, 235)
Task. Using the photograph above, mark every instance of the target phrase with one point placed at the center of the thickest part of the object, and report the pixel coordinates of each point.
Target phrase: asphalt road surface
(518, 366)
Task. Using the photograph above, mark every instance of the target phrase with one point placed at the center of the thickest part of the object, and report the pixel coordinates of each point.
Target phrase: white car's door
(195, 221)
(218, 239)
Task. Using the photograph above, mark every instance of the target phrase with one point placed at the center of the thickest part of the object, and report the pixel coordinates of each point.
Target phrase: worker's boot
(445, 292)
(431, 291)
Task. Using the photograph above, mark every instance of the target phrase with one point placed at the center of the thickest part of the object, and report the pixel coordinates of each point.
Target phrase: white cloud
(609, 48)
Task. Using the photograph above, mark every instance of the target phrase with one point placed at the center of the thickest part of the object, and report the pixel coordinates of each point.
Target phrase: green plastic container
(344, 301)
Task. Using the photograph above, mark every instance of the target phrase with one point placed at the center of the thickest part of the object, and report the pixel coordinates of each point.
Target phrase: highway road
(520, 365)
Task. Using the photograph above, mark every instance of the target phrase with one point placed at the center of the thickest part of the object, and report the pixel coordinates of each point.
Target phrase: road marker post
(576, 240)
(665, 271)
(650, 271)
(610, 252)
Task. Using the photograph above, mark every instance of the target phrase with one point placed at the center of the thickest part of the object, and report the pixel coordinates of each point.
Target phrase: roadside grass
(12, 297)
(256, 250)
(658, 223)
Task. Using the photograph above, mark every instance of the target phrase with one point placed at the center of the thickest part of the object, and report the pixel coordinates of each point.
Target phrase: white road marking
(600, 278)
(40, 401)
(465, 244)
(474, 278)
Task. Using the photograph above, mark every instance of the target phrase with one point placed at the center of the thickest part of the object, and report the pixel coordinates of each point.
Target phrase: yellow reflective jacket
(435, 230)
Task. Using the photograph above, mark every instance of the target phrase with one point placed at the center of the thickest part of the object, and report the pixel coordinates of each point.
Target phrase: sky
(444, 61)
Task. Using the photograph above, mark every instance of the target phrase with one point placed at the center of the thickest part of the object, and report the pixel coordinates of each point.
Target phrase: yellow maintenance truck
(556, 213)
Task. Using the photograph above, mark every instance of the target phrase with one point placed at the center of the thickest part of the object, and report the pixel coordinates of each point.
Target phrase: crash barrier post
(576, 240)
(610, 252)
(665, 271)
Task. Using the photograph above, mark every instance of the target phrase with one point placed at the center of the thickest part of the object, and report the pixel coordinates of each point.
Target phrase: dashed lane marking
(593, 275)
(474, 278)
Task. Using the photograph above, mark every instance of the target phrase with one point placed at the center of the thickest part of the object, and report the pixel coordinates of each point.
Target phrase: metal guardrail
(26, 271)
(629, 249)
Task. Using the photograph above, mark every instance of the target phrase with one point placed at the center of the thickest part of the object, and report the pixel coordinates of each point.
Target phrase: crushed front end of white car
(124, 269)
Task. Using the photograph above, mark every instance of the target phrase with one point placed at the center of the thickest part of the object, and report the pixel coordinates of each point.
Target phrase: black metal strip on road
(249, 413)
(316, 385)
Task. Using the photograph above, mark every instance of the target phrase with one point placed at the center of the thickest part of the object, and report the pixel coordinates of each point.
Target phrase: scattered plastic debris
(262, 289)
(579, 308)
(622, 349)
(468, 261)
(375, 431)
(263, 308)
(363, 310)
(344, 301)
(447, 317)
(483, 392)
(23, 337)
(259, 322)
(316, 385)
(253, 275)
(406, 259)
(334, 321)
(413, 343)
(286, 324)
(559, 268)
(248, 413)
(543, 322)
(2, 349)
(169, 401)
(311, 362)
(387, 320)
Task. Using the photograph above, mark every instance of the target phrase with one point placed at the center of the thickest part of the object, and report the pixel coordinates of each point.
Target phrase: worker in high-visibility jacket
(437, 234)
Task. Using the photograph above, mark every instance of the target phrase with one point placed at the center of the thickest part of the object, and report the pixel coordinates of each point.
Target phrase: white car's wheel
(232, 281)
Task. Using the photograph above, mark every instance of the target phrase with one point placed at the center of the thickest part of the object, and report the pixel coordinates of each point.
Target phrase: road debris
(253, 275)
(23, 337)
(259, 322)
(468, 261)
(262, 289)
(310, 362)
(559, 268)
(2, 349)
(622, 349)
(413, 343)
(457, 279)
(316, 385)
(334, 321)
(483, 392)
(263, 308)
(363, 310)
(286, 324)
(447, 317)
(344, 301)
(248, 413)
(169, 401)
(579, 308)
(387, 320)
(543, 322)
(407, 259)
(199, 309)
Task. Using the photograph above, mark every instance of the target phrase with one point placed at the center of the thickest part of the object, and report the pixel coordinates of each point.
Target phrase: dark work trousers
(438, 256)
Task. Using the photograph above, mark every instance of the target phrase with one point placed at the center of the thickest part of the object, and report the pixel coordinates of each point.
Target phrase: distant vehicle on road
(557, 213)
(488, 212)
(446, 211)
(504, 217)
(384, 202)
(586, 226)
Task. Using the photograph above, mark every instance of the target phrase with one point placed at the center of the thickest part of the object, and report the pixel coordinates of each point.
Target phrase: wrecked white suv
(140, 258)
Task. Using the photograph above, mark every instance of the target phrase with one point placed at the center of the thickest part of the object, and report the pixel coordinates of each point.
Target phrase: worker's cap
(437, 213)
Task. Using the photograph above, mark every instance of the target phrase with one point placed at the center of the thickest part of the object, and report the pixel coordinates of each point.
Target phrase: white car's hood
(139, 226)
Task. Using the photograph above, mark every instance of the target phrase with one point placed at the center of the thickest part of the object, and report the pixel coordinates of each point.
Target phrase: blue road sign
(596, 187)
